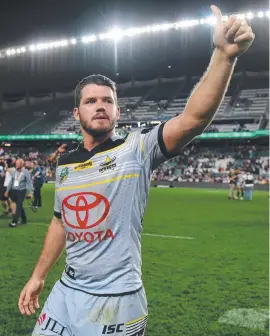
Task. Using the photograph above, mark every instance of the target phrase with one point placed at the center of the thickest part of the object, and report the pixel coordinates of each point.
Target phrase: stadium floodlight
(116, 34)
(250, 16)
(12, 51)
(162, 27)
(132, 31)
(42, 46)
(241, 16)
(211, 20)
(32, 47)
(89, 38)
(186, 24)
(63, 43)
(57, 44)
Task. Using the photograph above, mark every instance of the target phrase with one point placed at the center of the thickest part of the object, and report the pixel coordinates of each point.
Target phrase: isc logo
(110, 329)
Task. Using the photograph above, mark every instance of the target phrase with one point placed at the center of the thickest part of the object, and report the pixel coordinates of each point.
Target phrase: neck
(90, 142)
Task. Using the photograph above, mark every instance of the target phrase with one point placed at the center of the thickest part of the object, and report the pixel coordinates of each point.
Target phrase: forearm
(53, 157)
(53, 247)
(210, 91)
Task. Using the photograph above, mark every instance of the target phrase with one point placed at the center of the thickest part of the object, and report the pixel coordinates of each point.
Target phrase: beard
(98, 133)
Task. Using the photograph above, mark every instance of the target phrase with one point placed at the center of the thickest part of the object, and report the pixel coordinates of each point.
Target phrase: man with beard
(101, 193)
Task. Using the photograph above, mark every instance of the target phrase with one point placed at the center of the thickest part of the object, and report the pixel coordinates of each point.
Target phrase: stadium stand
(245, 106)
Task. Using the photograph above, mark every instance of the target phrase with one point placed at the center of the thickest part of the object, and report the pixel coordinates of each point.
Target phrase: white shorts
(69, 312)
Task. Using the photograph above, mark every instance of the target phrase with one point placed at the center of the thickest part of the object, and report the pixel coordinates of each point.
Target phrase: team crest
(63, 175)
(107, 164)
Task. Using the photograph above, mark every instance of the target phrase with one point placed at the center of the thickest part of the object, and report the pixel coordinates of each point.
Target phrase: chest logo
(85, 165)
(63, 175)
(107, 164)
(85, 210)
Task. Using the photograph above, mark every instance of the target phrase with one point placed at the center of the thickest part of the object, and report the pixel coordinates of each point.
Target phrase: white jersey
(7, 179)
(249, 180)
(101, 197)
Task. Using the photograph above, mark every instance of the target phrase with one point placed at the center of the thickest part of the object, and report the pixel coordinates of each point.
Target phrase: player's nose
(101, 109)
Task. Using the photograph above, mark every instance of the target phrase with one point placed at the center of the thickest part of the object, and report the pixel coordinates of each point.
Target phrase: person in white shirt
(6, 177)
(248, 186)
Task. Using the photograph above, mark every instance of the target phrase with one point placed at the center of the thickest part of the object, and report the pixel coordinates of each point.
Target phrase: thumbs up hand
(232, 37)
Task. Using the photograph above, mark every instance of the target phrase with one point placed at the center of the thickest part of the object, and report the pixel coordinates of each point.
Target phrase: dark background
(142, 57)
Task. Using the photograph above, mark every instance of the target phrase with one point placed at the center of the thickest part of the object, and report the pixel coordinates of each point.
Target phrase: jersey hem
(102, 295)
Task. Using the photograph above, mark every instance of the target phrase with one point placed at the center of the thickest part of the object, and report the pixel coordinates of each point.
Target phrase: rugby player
(100, 197)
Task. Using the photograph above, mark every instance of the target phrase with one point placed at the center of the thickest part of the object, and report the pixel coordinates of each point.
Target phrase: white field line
(144, 234)
(247, 318)
(167, 236)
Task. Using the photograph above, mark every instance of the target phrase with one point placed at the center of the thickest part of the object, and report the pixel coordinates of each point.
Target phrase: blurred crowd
(194, 164)
(48, 167)
(214, 164)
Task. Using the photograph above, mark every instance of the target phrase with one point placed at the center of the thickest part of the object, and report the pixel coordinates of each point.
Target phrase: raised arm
(231, 39)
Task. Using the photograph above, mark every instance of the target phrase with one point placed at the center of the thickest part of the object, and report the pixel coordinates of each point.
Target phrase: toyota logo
(85, 210)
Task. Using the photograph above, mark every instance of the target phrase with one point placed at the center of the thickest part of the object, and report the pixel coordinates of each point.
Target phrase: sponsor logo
(107, 164)
(89, 237)
(136, 328)
(63, 175)
(41, 319)
(85, 165)
(53, 325)
(76, 209)
(114, 328)
(70, 272)
(83, 211)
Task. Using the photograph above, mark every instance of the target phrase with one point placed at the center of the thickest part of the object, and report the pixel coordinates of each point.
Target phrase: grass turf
(190, 284)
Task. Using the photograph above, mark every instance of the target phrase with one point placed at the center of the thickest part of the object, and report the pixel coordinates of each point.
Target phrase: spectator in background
(249, 185)
(60, 151)
(38, 181)
(6, 203)
(20, 182)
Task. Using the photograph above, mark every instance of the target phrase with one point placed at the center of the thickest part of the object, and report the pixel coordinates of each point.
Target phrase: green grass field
(190, 283)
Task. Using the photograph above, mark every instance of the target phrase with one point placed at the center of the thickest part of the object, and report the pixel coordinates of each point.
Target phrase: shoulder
(69, 157)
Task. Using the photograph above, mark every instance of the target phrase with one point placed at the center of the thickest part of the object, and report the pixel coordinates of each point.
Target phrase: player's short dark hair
(97, 80)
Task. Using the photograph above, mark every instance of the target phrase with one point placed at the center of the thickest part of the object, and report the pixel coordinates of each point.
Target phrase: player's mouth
(101, 117)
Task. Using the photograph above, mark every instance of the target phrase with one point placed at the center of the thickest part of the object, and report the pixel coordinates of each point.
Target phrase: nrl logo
(63, 175)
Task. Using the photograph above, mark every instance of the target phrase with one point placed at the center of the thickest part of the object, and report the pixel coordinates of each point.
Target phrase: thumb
(217, 13)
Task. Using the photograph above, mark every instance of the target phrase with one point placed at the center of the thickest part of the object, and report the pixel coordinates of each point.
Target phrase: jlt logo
(110, 329)
(55, 327)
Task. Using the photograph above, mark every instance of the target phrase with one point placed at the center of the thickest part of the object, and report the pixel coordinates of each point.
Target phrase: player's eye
(109, 100)
(91, 101)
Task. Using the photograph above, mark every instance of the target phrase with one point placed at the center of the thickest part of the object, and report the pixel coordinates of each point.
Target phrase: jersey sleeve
(57, 206)
(57, 203)
(150, 147)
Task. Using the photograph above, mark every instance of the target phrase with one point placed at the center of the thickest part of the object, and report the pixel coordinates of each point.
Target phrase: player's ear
(76, 113)
(118, 113)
